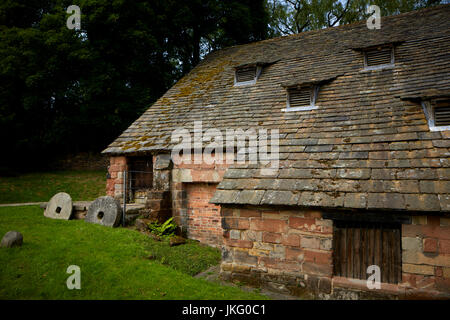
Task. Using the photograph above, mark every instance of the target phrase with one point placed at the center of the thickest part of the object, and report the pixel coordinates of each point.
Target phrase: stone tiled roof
(368, 145)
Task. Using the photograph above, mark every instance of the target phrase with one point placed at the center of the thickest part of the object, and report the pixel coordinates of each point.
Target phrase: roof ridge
(353, 24)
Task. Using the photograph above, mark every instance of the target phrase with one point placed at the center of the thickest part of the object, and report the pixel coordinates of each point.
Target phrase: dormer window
(247, 75)
(379, 57)
(437, 113)
(302, 99)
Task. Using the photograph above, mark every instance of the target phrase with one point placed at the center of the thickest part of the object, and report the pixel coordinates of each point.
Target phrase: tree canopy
(64, 90)
(295, 16)
(67, 90)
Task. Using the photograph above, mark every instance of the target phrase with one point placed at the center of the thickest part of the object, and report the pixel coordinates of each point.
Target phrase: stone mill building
(364, 158)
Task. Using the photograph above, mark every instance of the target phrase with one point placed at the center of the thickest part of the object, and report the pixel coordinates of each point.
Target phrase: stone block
(292, 240)
(235, 234)
(252, 235)
(278, 252)
(325, 285)
(412, 243)
(325, 244)
(430, 245)
(250, 197)
(238, 243)
(355, 200)
(414, 257)
(418, 269)
(446, 273)
(243, 257)
(163, 162)
(353, 173)
(263, 246)
(271, 237)
(386, 201)
(423, 202)
(310, 242)
(270, 225)
(294, 254)
(272, 197)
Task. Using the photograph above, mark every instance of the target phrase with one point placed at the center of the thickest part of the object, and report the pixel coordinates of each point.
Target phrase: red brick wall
(192, 187)
(114, 184)
(426, 253)
(203, 218)
(291, 251)
(286, 250)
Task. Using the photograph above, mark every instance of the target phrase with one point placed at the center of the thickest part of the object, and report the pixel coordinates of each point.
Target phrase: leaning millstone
(59, 207)
(12, 239)
(105, 211)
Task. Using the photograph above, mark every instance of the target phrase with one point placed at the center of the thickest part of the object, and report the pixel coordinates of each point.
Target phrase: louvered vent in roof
(379, 56)
(246, 74)
(442, 113)
(299, 97)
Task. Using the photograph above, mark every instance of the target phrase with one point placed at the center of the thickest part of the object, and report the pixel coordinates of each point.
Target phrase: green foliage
(114, 263)
(65, 90)
(166, 229)
(294, 16)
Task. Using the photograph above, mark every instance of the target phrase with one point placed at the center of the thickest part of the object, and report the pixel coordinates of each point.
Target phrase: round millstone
(105, 211)
(12, 239)
(59, 207)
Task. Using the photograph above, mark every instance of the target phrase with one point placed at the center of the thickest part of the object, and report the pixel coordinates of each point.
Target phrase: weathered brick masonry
(193, 185)
(288, 250)
(114, 183)
(291, 251)
(182, 192)
(426, 253)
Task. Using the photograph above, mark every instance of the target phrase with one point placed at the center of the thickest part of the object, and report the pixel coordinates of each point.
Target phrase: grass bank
(41, 186)
(114, 263)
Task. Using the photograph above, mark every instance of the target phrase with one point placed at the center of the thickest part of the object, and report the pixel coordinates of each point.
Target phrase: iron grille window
(379, 56)
(140, 173)
(300, 97)
(358, 245)
(442, 113)
(246, 74)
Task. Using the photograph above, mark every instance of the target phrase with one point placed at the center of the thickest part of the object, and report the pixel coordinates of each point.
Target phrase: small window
(300, 99)
(358, 245)
(379, 57)
(442, 113)
(247, 75)
(140, 175)
(437, 113)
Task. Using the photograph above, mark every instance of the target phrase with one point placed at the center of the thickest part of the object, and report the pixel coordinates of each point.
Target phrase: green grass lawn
(114, 263)
(40, 187)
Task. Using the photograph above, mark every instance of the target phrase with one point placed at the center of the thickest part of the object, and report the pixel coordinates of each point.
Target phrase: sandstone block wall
(114, 183)
(292, 251)
(426, 253)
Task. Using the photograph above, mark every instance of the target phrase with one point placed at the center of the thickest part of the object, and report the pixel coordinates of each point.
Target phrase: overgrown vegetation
(115, 263)
(41, 186)
(165, 230)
